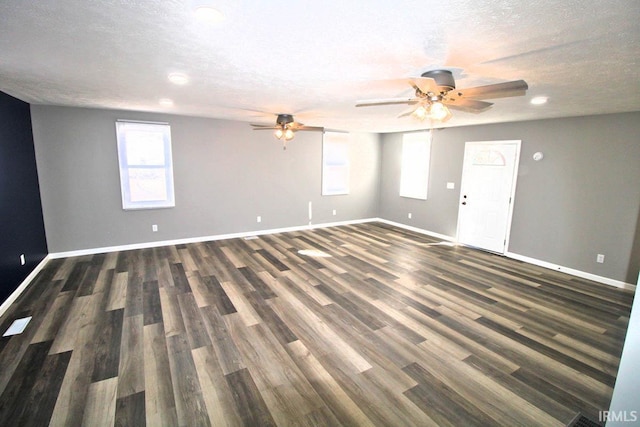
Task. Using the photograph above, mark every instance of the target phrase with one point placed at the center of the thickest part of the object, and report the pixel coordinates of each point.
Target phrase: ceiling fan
(285, 128)
(436, 93)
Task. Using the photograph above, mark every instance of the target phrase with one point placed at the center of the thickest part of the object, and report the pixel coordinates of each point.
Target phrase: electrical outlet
(600, 258)
(23, 260)
(258, 218)
(409, 216)
(334, 212)
(451, 185)
(154, 227)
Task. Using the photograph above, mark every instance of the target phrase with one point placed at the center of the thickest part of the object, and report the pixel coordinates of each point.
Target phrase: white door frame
(512, 194)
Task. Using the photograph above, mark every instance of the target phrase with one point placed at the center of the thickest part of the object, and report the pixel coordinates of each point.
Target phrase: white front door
(486, 193)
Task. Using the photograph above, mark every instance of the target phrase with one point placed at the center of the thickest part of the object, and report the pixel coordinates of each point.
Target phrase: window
(146, 168)
(414, 172)
(335, 163)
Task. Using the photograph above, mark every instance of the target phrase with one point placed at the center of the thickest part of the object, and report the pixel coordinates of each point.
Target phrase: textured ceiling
(315, 59)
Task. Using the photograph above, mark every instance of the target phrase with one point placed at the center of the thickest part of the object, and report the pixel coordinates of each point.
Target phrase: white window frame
(146, 165)
(415, 162)
(335, 163)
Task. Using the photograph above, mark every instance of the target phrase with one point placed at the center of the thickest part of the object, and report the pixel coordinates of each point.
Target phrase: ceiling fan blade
(498, 90)
(255, 125)
(468, 105)
(407, 112)
(424, 84)
(295, 126)
(311, 128)
(387, 101)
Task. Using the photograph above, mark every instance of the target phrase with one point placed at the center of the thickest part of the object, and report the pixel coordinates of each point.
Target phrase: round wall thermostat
(538, 156)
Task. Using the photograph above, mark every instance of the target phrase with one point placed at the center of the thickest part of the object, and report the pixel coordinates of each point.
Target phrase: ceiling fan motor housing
(443, 78)
(284, 119)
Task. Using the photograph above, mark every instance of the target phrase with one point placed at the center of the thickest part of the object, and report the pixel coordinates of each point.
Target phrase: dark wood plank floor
(389, 329)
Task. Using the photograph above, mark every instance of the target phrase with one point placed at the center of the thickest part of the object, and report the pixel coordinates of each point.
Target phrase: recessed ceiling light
(178, 78)
(209, 14)
(539, 100)
(166, 102)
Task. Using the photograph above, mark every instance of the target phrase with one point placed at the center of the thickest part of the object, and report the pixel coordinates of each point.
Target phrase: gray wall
(225, 175)
(582, 199)
(439, 212)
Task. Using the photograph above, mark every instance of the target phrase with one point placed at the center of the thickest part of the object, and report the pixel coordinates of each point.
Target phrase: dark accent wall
(21, 221)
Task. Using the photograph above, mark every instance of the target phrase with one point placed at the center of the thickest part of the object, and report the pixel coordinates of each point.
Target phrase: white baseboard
(338, 223)
(25, 283)
(54, 255)
(21, 288)
(528, 260)
(156, 244)
(418, 230)
(572, 271)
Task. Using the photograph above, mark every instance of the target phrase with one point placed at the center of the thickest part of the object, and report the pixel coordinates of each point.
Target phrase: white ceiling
(315, 59)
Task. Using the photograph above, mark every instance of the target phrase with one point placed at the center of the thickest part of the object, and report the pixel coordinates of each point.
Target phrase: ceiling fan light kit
(435, 111)
(438, 111)
(284, 133)
(420, 113)
(285, 128)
